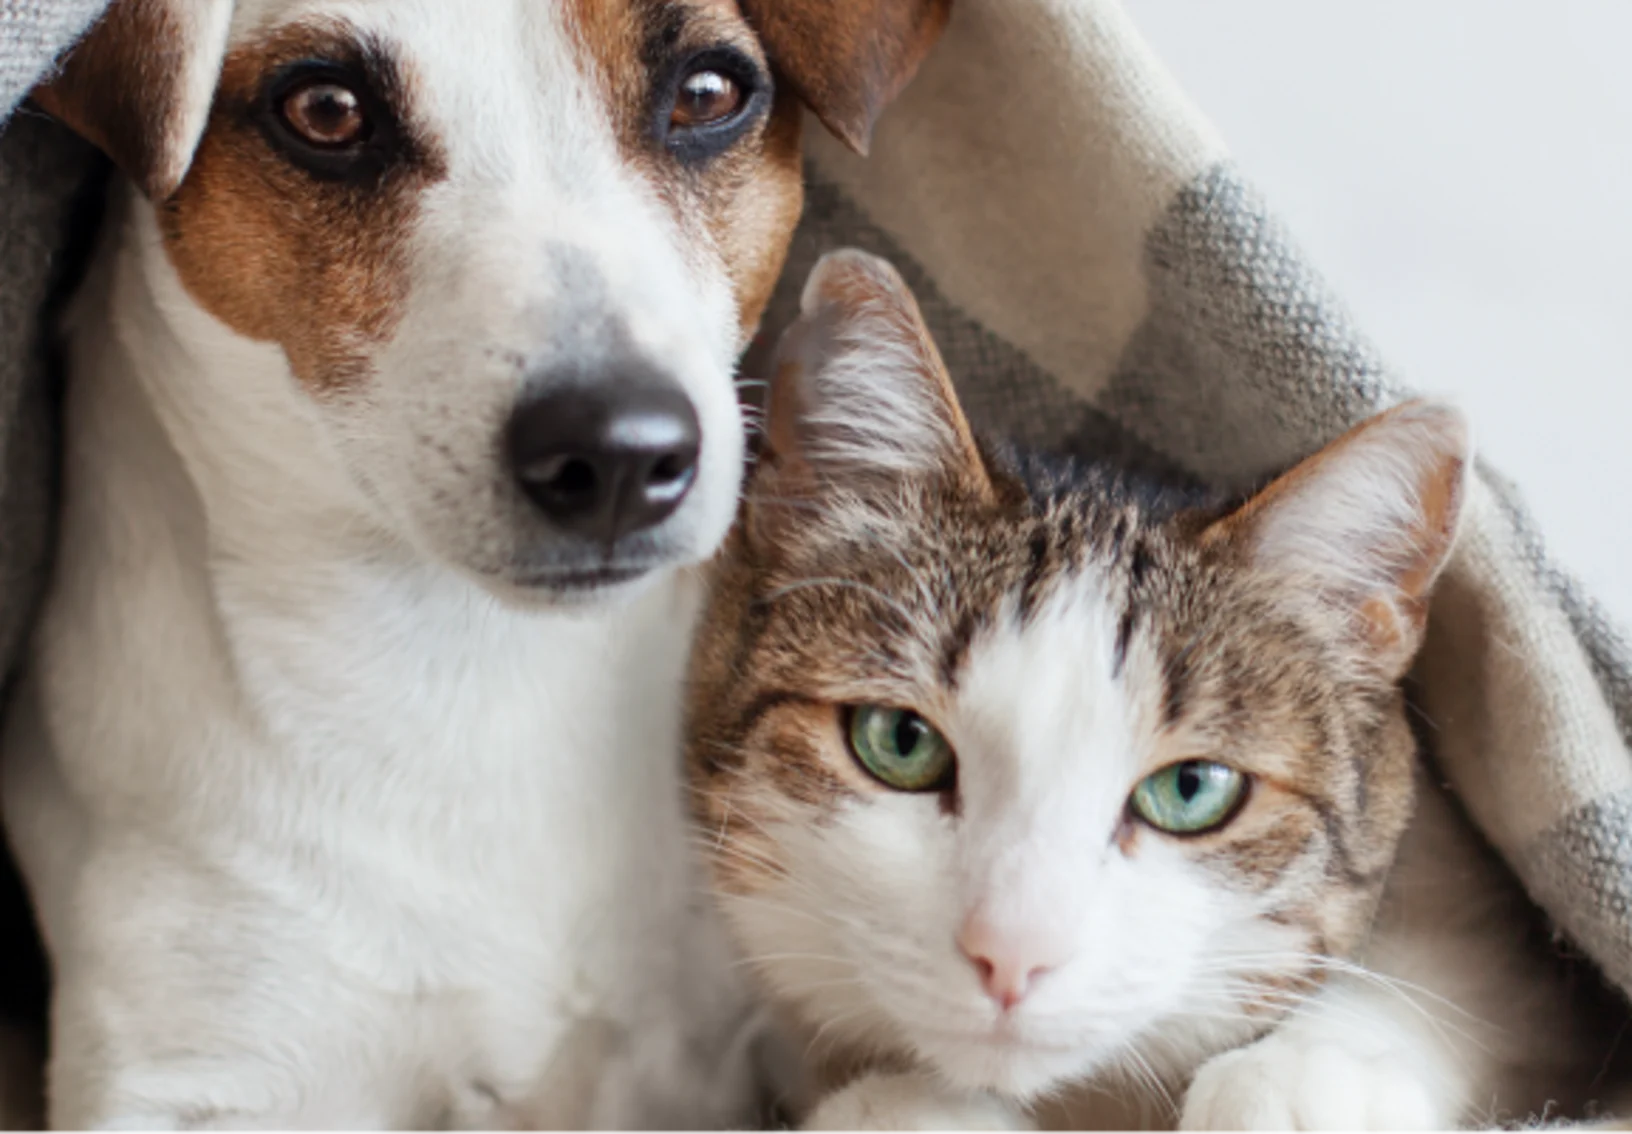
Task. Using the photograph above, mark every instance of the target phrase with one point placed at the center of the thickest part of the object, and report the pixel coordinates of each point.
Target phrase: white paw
(1293, 1083)
(911, 1102)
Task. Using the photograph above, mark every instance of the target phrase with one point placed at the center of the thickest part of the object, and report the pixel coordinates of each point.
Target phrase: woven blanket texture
(1100, 277)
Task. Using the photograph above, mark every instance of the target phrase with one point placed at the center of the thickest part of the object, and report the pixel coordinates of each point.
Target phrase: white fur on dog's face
(533, 231)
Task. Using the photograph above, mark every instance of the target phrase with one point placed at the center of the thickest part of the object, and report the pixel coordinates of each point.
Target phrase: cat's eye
(1189, 798)
(900, 749)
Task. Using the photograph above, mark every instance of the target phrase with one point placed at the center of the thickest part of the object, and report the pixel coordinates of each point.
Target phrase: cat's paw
(1295, 1083)
(911, 1102)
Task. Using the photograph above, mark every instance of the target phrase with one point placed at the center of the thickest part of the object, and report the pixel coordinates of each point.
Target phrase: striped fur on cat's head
(1010, 910)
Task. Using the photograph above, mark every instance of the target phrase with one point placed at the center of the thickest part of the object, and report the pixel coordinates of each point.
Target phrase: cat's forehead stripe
(1046, 696)
(955, 647)
(1066, 537)
(1039, 569)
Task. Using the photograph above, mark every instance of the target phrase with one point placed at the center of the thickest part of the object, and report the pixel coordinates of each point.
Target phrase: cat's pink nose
(1007, 961)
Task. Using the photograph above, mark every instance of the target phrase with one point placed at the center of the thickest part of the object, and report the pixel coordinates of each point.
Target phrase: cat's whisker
(771, 958)
(1148, 1084)
(779, 908)
(1406, 991)
(1292, 960)
(1287, 1005)
(809, 986)
(737, 850)
(836, 1022)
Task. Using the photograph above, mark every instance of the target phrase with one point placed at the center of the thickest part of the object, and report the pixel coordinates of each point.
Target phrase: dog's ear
(848, 58)
(139, 85)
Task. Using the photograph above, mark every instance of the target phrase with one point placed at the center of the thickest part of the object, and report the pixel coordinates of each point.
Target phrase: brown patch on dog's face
(289, 243)
(754, 220)
(733, 188)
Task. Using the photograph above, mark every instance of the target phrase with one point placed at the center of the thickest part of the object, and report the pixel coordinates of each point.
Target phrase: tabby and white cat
(1022, 781)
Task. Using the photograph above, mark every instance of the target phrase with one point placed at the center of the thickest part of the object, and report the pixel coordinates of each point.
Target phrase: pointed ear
(860, 400)
(847, 59)
(139, 85)
(1368, 523)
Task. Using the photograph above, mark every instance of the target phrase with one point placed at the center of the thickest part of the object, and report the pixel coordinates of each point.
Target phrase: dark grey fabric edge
(1590, 853)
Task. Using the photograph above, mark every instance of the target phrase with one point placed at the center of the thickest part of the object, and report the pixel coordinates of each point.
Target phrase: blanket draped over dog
(1100, 277)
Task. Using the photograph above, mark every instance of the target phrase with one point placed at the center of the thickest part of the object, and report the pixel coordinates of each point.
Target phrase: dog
(400, 408)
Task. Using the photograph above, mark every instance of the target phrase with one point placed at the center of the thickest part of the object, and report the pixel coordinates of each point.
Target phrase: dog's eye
(705, 98)
(709, 102)
(325, 114)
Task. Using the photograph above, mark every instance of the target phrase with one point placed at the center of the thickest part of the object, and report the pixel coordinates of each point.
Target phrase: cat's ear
(860, 399)
(1368, 523)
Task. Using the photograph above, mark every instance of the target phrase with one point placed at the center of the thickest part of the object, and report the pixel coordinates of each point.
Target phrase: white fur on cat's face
(1132, 932)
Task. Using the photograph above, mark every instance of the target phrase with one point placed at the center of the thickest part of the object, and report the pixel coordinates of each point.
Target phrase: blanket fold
(1100, 277)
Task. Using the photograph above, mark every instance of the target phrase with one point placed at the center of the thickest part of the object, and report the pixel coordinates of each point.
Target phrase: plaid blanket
(1100, 276)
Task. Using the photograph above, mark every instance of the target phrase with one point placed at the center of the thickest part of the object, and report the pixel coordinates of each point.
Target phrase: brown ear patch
(848, 59)
(315, 265)
(138, 85)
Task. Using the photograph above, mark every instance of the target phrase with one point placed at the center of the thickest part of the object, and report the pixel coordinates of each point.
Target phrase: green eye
(899, 748)
(1189, 798)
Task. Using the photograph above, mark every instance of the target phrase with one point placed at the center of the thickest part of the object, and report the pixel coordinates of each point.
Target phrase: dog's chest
(467, 824)
(479, 772)
(480, 814)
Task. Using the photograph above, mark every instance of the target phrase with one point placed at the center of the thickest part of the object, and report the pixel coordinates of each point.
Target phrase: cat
(1035, 792)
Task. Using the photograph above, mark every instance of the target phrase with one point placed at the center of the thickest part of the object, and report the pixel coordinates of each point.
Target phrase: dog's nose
(604, 462)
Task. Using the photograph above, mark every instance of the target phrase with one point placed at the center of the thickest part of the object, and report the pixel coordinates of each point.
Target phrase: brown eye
(325, 114)
(705, 97)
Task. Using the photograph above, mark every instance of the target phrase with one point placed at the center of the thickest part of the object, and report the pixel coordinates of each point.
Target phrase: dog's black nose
(606, 461)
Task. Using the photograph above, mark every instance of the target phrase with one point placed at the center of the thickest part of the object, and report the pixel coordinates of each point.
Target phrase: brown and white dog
(344, 773)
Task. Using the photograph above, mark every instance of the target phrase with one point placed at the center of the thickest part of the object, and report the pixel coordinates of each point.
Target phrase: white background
(1461, 172)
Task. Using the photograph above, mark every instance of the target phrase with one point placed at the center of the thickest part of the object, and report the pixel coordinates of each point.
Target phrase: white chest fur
(320, 831)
